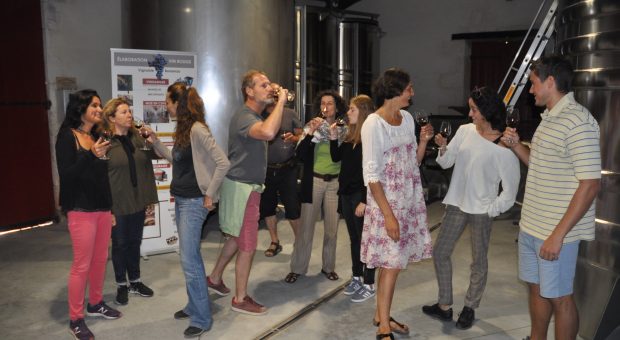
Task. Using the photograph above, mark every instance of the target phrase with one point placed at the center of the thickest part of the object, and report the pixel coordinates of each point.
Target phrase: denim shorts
(554, 277)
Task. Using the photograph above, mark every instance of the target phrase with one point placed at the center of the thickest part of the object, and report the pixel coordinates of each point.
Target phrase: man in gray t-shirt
(247, 152)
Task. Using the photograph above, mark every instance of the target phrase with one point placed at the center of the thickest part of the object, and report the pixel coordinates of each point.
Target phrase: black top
(350, 179)
(84, 184)
(184, 183)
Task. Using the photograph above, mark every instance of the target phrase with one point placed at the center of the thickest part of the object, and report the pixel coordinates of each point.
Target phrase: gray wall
(418, 39)
(78, 35)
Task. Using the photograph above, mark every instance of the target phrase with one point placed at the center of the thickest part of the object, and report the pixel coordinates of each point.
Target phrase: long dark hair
(490, 106)
(78, 103)
(341, 106)
(190, 109)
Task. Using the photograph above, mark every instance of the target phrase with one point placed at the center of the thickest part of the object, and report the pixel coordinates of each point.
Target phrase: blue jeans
(190, 215)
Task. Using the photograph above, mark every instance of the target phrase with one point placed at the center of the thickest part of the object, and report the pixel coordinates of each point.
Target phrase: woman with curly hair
(481, 162)
(319, 187)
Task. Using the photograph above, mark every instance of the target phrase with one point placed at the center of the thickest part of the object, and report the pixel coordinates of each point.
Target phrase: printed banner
(142, 78)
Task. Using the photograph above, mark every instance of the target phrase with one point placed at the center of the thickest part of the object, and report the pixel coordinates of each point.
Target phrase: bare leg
(294, 226)
(228, 251)
(272, 222)
(385, 294)
(566, 318)
(540, 313)
(242, 273)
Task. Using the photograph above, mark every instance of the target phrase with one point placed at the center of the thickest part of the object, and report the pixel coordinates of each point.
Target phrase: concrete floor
(35, 264)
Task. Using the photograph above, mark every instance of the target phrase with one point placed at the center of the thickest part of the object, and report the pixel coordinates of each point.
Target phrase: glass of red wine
(421, 117)
(106, 135)
(445, 129)
(144, 133)
(341, 122)
(512, 118)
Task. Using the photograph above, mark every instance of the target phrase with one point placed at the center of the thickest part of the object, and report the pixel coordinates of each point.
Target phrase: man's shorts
(554, 277)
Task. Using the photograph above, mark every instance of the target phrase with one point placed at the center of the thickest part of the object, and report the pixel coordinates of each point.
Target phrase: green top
(323, 160)
(127, 199)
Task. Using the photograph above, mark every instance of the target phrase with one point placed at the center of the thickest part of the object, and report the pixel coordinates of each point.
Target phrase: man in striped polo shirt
(558, 208)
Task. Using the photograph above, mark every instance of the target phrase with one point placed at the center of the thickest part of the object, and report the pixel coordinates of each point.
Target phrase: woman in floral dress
(395, 228)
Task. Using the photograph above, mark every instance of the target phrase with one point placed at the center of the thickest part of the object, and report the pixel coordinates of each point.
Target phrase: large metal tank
(229, 38)
(358, 55)
(589, 33)
(335, 49)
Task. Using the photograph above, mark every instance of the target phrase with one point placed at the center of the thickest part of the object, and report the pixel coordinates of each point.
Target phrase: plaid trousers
(452, 226)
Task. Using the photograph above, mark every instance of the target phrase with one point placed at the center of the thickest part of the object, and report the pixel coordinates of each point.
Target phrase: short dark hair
(341, 106)
(78, 103)
(557, 66)
(390, 84)
(491, 106)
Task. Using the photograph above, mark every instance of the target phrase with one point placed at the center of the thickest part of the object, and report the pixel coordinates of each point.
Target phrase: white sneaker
(353, 286)
(363, 294)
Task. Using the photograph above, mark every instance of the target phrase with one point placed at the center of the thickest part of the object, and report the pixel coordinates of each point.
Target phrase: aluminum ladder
(536, 48)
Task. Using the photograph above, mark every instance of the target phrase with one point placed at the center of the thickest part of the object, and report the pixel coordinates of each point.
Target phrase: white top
(377, 137)
(479, 166)
(565, 150)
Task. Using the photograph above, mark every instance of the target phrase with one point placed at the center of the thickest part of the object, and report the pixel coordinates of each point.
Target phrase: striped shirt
(565, 150)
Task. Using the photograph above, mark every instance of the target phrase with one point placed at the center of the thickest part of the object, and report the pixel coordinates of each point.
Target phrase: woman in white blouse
(480, 163)
(395, 227)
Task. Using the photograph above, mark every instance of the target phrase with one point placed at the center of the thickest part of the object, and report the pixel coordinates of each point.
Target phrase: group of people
(365, 168)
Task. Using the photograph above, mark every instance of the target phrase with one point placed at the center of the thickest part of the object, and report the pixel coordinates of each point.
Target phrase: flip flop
(271, 252)
(403, 329)
(330, 276)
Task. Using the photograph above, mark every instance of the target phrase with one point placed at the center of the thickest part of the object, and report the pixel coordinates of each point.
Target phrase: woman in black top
(85, 198)
(352, 193)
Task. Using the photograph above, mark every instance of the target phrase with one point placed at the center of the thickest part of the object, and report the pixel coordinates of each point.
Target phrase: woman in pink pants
(85, 198)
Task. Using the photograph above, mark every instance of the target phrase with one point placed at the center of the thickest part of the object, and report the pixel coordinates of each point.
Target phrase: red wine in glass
(421, 117)
(144, 133)
(341, 122)
(422, 121)
(512, 118)
(445, 129)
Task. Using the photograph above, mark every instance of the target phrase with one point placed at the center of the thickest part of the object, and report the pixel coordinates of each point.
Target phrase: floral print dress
(400, 179)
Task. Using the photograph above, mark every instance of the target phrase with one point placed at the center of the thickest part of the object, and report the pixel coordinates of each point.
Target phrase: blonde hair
(109, 110)
(365, 107)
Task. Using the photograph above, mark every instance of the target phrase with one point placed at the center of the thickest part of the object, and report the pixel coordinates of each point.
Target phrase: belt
(286, 164)
(326, 177)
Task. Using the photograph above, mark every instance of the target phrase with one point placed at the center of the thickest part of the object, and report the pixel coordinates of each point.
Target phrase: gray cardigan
(210, 161)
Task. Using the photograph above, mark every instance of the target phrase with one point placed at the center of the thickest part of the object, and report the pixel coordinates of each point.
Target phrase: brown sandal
(273, 251)
(403, 329)
(291, 277)
(330, 276)
(383, 336)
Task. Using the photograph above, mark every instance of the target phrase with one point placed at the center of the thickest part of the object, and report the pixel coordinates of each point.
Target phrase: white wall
(418, 39)
(78, 35)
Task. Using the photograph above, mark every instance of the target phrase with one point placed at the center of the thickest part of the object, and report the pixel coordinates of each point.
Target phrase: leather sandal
(291, 277)
(274, 249)
(403, 329)
(330, 276)
(383, 336)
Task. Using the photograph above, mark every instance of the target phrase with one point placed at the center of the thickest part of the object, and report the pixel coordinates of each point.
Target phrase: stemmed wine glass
(445, 129)
(341, 121)
(139, 124)
(106, 135)
(421, 117)
(283, 135)
(322, 113)
(512, 117)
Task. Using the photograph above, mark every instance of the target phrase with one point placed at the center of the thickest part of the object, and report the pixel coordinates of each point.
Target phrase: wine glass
(139, 124)
(341, 121)
(283, 134)
(445, 129)
(322, 113)
(421, 117)
(106, 135)
(512, 117)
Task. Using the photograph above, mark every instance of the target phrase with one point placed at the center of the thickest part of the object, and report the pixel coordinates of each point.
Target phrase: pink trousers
(90, 236)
